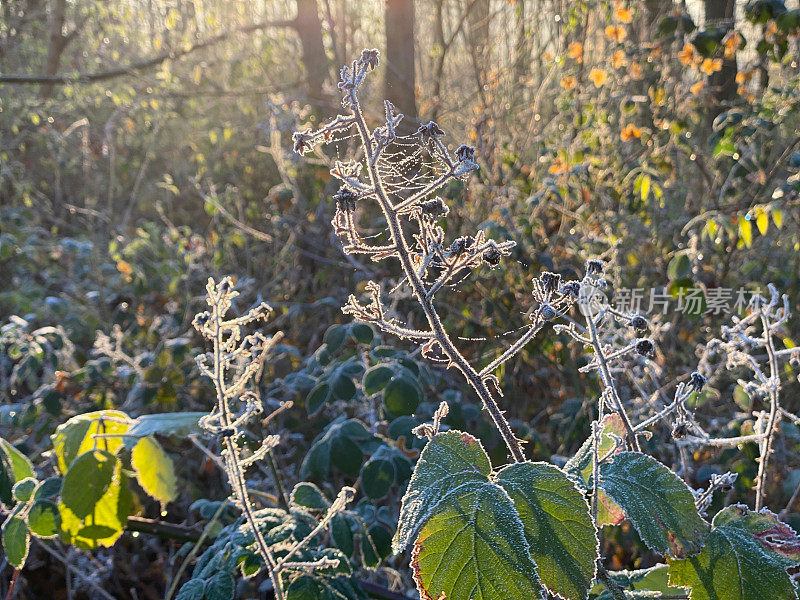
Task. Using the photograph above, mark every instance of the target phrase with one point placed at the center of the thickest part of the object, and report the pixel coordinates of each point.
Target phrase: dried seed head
(492, 255)
(345, 199)
(201, 319)
(697, 381)
(547, 312)
(638, 322)
(434, 208)
(460, 245)
(594, 266)
(369, 58)
(681, 430)
(465, 153)
(571, 288)
(644, 347)
(550, 281)
(429, 131)
(302, 141)
(225, 286)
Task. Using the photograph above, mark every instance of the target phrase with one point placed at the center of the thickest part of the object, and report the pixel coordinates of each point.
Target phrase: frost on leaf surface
(474, 548)
(580, 468)
(745, 558)
(557, 525)
(448, 461)
(658, 503)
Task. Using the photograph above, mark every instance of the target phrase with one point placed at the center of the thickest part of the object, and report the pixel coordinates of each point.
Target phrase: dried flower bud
(638, 322)
(345, 199)
(492, 256)
(697, 381)
(225, 286)
(550, 281)
(644, 347)
(201, 319)
(434, 208)
(571, 288)
(594, 266)
(429, 131)
(465, 153)
(302, 141)
(369, 58)
(547, 312)
(681, 430)
(460, 245)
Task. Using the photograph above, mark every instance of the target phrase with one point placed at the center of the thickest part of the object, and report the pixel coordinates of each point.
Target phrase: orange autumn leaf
(687, 55)
(559, 166)
(619, 60)
(697, 88)
(616, 33)
(732, 43)
(575, 51)
(568, 82)
(629, 132)
(711, 65)
(622, 13)
(636, 71)
(598, 77)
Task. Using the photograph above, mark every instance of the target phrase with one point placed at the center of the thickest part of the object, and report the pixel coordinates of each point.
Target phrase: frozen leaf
(557, 525)
(44, 519)
(309, 496)
(474, 548)
(658, 503)
(449, 460)
(580, 468)
(745, 558)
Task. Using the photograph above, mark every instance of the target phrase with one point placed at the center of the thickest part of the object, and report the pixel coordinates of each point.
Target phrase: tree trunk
(315, 61)
(400, 82)
(720, 13)
(58, 42)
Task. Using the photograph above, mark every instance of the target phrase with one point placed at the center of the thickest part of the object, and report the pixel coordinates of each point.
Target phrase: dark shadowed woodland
(399, 299)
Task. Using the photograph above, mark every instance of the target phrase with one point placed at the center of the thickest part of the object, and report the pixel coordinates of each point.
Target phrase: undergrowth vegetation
(527, 334)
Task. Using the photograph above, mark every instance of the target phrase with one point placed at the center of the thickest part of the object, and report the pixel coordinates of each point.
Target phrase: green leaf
(155, 470)
(44, 519)
(317, 398)
(658, 503)
(335, 337)
(23, 489)
(377, 477)
(376, 378)
(679, 267)
(342, 533)
(309, 496)
(77, 435)
(87, 480)
(474, 548)
(557, 524)
(14, 467)
(179, 424)
(362, 333)
(449, 460)
(16, 541)
(49, 488)
(745, 558)
(220, 587)
(402, 396)
(646, 581)
(105, 523)
(194, 589)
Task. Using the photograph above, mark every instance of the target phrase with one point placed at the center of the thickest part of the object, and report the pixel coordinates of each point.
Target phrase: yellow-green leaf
(777, 217)
(101, 430)
(762, 222)
(154, 470)
(746, 231)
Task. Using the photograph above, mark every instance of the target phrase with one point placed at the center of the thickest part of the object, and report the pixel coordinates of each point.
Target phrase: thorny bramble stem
(236, 360)
(427, 254)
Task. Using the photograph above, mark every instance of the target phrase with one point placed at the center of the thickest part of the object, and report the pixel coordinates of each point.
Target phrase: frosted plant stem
(232, 467)
(403, 253)
(608, 382)
(774, 411)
